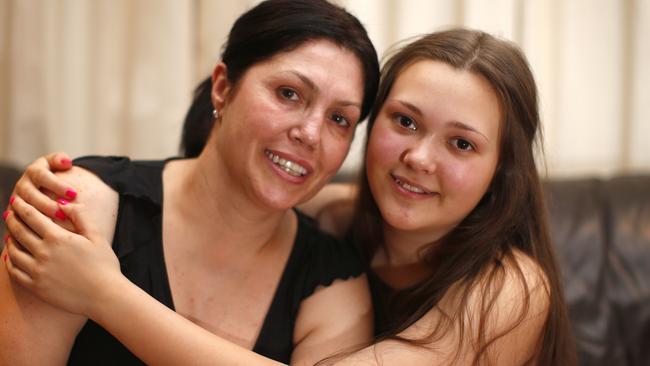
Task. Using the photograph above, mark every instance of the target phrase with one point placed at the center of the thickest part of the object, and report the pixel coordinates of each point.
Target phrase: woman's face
(434, 148)
(287, 126)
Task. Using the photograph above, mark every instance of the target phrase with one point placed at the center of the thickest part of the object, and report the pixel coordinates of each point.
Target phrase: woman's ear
(220, 86)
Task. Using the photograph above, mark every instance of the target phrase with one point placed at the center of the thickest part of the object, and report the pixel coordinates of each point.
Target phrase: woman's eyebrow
(311, 85)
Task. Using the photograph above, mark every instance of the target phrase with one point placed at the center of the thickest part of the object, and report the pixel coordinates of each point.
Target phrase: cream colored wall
(115, 76)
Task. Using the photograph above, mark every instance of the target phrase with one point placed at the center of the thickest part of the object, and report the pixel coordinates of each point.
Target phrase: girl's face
(434, 148)
(287, 126)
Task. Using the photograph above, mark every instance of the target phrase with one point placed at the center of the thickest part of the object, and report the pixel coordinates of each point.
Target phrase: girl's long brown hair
(512, 215)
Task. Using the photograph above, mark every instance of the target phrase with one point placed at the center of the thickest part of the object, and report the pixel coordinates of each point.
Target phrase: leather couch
(601, 228)
(8, 176)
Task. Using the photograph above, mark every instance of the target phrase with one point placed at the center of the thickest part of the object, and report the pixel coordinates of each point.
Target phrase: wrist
(106, 297)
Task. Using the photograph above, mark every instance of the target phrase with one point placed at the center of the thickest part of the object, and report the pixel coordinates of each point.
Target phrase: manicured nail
(71, 194)
(62, 201)
(5, 215)
(4, 257)
(11, 200)
(59, 214)
(6, 238)
(66, 162)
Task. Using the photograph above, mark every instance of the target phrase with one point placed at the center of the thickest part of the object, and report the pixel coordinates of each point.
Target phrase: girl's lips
(411, 188)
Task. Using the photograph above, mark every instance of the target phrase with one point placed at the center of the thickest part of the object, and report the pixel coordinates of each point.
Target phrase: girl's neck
(398, 261)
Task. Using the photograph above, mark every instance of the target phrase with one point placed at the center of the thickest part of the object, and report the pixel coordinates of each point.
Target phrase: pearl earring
(215, 114)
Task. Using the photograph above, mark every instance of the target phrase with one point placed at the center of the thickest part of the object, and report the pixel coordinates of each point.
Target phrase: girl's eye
(288, 93)
(406, 122)
(462, 144)
(340, 120)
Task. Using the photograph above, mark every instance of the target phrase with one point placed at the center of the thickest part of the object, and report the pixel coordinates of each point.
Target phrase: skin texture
(451, 110)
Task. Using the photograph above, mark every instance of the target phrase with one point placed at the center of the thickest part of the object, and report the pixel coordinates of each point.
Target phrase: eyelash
(283, 91)
(454, 142)
(403, 120)
(400, 119)
(339, 118)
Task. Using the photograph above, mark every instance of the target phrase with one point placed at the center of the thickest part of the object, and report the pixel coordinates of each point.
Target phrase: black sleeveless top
(316, 259)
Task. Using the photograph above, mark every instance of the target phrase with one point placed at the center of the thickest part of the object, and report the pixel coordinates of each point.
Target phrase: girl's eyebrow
(411, 107)
(463, 126)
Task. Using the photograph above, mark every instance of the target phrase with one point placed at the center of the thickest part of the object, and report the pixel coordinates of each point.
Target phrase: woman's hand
(66, 269)
(42, 188)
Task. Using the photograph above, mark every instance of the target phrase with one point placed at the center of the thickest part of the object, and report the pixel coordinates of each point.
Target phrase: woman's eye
(340, 120)
(462, 144)
(288, 93)
(406, 122)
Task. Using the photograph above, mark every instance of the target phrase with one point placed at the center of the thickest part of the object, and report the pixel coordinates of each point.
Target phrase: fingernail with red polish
(11, 200)
(62, 201)
(71, 194)
(59, 214)
(5, 215)
(6, 238)
(4, 257)
(66, 162)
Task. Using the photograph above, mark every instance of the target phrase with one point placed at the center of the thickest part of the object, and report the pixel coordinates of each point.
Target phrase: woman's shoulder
(141, 179)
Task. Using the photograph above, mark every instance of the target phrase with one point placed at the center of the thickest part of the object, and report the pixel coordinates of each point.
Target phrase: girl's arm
(80, 273)
(333, 317)
(33, 332)
(59, 270)
(332, 207)
(515, 328)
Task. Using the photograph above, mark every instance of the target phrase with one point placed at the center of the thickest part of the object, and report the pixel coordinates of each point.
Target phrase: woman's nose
(307, 132)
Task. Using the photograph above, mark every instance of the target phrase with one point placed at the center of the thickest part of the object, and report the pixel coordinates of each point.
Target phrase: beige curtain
(115, 76)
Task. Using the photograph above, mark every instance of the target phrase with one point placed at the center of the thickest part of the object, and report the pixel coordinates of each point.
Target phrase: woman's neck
(202, 197)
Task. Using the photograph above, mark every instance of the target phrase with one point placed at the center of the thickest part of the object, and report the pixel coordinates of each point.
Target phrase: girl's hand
(41, 188)
(65, 269)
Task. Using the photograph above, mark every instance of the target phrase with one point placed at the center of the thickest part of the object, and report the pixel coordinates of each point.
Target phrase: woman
(215, 238)
(449, 216)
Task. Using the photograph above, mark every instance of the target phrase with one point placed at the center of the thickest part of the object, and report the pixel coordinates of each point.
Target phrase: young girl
(449, 217)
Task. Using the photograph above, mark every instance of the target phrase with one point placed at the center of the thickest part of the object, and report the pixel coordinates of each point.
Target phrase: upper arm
(333, 319)
(332, 207)
(33, 332)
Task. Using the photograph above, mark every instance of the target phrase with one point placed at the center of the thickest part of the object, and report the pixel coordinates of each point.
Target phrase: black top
(382, 295)
(316, 259)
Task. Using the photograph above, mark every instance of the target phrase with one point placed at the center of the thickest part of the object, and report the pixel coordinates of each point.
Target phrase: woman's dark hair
(511, 216)
(275, 26)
